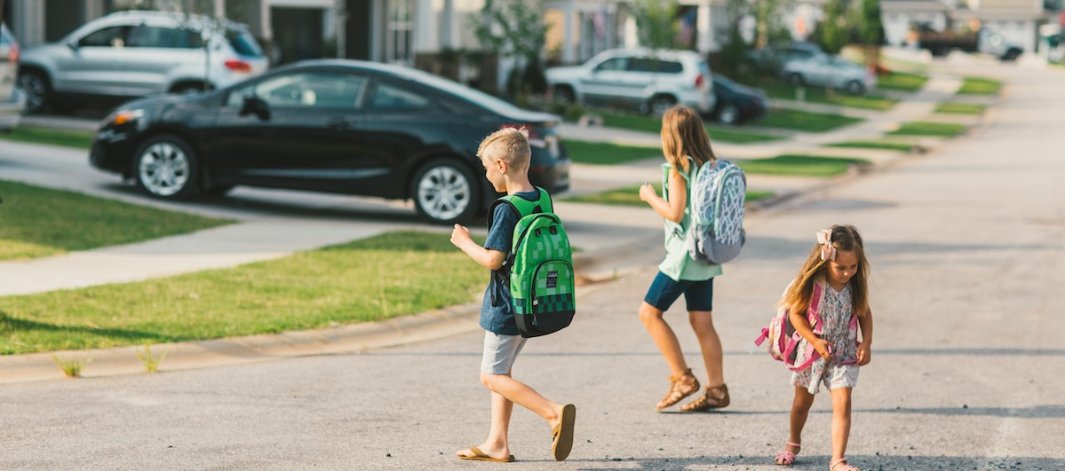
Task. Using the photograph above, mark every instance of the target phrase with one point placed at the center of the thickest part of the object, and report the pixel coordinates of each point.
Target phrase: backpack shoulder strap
(523, 206)
(813, 314)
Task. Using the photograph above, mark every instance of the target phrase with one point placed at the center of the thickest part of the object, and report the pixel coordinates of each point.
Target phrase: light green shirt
(678, 264)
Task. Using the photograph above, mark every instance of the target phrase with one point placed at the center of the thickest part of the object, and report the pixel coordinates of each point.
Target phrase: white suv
(137, 53)
(650, 81)
(11, 100)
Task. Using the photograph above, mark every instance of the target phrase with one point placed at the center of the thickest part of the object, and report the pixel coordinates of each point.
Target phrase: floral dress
(842, 370)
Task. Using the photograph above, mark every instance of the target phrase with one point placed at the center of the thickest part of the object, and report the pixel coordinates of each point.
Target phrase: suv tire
(37, 89)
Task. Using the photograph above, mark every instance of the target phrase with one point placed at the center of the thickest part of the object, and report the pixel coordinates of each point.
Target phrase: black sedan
(334, 126)
(737, 103)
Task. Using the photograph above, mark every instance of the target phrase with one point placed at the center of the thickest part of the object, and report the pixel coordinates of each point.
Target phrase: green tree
(656, 23)
(869, 30)
(515, 29)
(831, 33)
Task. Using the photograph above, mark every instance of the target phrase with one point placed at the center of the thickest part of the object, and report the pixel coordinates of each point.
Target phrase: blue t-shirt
(497, 312)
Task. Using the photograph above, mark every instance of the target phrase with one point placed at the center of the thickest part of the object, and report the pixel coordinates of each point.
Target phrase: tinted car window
(615, 64)
(171, 38)
(390, 98)
(670, 67)
(304, 90)
(243, 43)
(641, 64)
(114, 36)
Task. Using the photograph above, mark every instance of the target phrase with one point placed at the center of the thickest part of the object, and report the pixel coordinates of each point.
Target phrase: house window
(399, 31)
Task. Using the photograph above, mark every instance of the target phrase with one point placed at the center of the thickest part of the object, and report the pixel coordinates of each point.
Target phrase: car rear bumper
(11, 110)
(553, 177)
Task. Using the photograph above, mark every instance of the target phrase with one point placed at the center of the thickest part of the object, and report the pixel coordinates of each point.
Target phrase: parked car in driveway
(737, 103)
(336, 126)
(11, 99)
(138, 53)
(771, 59)
(647, 81)
(829, 71)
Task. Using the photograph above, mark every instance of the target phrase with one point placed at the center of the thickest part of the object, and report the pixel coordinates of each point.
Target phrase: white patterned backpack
(718, 194)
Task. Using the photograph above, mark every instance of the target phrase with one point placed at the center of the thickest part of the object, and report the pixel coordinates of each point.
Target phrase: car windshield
(474, 96)
(243, 43)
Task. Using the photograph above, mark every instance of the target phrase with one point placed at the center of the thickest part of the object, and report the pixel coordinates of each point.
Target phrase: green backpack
(541, 267)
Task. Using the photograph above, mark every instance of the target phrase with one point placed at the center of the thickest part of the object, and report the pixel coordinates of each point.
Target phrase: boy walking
(505, 155)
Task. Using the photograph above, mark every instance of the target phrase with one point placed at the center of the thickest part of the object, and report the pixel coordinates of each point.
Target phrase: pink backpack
(784, 339)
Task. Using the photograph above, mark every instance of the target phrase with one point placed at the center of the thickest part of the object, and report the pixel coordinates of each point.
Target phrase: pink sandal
(844, 467)
(787, 457)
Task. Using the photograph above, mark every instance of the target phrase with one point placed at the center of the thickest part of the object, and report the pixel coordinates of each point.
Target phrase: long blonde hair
(683, 135)
(846, 238)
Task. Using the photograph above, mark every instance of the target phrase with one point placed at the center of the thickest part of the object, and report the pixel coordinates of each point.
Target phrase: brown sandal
(710, 400)
(680, 387)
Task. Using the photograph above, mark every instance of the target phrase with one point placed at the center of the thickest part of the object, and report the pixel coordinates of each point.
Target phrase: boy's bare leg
(703, 324)
(664, 338)
(521, 394)
(498, 443)
(841, 422)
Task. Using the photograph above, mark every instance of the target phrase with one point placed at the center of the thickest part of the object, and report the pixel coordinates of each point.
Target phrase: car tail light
(535, 140)
(12, 54)
(238, 66)
(699, 79)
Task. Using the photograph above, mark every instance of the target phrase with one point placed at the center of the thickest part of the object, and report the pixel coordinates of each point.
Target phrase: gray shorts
(500, 351)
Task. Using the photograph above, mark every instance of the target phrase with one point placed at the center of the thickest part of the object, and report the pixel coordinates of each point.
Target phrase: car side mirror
(256, 106)
(73, 45)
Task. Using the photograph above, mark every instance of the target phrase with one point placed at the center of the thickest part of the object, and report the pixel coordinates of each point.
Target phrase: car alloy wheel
(36, 90)
(661, 103)
(444, 192)
(855, 87)
(729, 114)
(165, 168)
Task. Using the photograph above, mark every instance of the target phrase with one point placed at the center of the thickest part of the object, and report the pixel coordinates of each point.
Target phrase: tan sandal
(710, 400)
(680, 387)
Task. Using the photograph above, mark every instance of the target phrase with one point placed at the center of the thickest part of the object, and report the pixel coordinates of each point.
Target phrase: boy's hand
(865, 354)
(460, 235)
(647, 192)
(821, 345)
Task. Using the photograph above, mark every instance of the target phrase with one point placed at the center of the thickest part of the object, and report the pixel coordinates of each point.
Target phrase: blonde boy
(505, 155)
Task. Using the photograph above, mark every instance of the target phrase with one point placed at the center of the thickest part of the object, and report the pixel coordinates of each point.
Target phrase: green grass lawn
(36, 222)
(960, 108)
(883, 144)
(386, 276)
(979, 86)
(901, 81)
(654, 125)
(924, 128)
(805, 121)
(801, 165)
(777, 89)
(630, 196)
(605, 153)
(78, 139)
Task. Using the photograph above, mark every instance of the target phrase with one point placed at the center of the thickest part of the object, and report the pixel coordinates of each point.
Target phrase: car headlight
(119, 118)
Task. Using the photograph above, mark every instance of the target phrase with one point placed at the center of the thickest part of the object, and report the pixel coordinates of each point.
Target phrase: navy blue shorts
(699, 295)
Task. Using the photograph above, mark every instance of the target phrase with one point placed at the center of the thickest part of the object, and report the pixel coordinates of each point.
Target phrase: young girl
(686, 147)
(838, 266)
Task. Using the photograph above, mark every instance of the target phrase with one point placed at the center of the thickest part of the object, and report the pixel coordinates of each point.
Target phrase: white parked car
(11, 100)
(648, 81)
(824, 70)
(137, 53)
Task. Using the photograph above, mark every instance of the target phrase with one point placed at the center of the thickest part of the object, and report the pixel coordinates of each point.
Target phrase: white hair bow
(824, 237)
